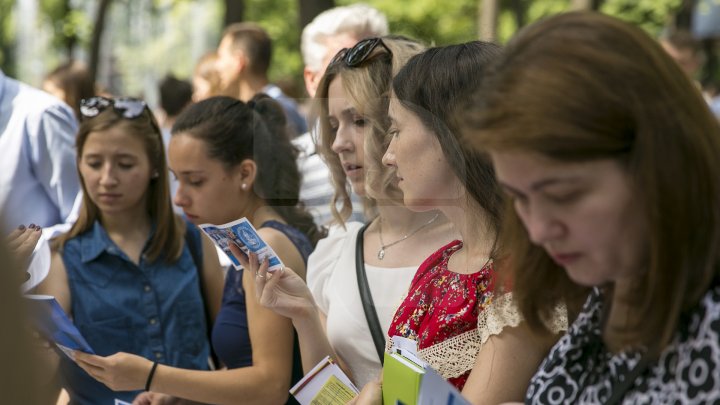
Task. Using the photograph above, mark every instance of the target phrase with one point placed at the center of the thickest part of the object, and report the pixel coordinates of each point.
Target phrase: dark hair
(74, 79)
(175, 94)
(168, 239)
(254, 42)
(583, 86)
(433, 85)
(234, 131)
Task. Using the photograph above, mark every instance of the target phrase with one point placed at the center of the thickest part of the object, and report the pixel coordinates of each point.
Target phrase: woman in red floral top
(451, 309)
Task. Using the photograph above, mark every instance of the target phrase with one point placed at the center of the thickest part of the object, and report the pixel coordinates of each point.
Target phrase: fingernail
(38, 229)
(21, 227)
(32, 226)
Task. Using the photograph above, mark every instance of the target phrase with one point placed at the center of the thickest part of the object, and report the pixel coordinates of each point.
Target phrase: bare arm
(212, 277)
(286, 293)
(505, 365)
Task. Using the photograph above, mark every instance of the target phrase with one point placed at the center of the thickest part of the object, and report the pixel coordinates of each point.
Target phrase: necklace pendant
(381, 254)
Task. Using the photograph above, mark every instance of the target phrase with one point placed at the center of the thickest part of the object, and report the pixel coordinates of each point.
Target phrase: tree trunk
(488, 20)
(234, 11)
(683, 18)
(69, 41)
(309, 9)
(98, 29)
(519, 8)
(581, 4)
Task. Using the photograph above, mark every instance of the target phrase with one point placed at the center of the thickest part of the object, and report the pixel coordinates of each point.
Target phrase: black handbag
(366, 297)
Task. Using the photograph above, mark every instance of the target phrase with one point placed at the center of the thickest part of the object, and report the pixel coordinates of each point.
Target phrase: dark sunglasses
(359, 53)
(129, 108)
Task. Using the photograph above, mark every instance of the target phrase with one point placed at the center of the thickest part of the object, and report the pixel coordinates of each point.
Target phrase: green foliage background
(163, 49)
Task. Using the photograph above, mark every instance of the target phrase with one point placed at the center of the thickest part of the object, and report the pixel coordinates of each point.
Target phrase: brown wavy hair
(583, 86)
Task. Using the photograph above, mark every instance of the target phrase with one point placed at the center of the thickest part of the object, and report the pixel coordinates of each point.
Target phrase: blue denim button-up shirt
(153, 309)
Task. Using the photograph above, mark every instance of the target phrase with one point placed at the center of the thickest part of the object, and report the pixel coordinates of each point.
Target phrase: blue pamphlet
(53, 324)
(243, 234)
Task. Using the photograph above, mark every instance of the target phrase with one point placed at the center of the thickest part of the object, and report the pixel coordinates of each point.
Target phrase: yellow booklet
(325, 384)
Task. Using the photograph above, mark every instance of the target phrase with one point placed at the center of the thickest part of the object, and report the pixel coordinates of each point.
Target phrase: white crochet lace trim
(455, 356)
(502, 312)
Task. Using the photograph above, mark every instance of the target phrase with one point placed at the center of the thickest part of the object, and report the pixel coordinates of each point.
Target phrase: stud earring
(155, 175)
(243, 186)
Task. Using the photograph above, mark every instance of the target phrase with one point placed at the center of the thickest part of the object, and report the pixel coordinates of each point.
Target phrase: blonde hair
(368, 87)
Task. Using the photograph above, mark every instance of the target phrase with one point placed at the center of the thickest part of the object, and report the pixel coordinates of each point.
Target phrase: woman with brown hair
(610, 159)
(126, 272)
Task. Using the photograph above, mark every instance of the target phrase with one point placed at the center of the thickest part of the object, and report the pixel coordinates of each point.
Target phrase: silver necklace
(383, 246)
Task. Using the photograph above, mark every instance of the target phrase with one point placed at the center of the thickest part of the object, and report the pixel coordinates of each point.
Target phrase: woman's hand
(371, 394)
(120, 372)
(282, 291)
(22, 241)
(155, 398)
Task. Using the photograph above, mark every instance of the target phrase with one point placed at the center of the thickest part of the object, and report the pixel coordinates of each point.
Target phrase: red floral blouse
(441, 304)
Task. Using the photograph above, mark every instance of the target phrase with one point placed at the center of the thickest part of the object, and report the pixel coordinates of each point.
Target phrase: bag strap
(366, 297)
(194, 244)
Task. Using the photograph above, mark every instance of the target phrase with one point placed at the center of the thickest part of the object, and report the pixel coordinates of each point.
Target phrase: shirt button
(153, 321)
(158, 355)
(147, 288)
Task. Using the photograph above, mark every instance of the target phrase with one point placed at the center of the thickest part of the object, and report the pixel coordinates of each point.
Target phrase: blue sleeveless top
(152, 309)
(230, 335)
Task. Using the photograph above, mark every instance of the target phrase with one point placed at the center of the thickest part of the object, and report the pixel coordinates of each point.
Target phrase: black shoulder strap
(194, 244)
(366, 297)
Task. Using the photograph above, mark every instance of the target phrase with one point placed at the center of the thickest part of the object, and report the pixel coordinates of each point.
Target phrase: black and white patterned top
(580, 370)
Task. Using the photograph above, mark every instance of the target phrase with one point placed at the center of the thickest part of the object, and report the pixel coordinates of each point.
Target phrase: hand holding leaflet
(244, 235)
(54, 325)
(325, 384)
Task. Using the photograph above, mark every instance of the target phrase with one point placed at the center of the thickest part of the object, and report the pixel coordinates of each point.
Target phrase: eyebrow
(115, 155)
(542, 183)
(187, 172)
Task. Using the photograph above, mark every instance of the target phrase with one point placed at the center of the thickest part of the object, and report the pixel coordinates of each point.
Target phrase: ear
(244, 175)
(312, 79)
(241, 61)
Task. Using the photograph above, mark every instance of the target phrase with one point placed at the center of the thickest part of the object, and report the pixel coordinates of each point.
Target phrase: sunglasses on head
(359, 53)
(129, 108)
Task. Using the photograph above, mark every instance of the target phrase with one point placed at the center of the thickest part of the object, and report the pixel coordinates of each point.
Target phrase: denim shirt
(153, 309)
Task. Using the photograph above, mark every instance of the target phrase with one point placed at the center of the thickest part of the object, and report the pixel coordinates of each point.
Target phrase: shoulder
(337, 238)
(35, 103)
(337, 247)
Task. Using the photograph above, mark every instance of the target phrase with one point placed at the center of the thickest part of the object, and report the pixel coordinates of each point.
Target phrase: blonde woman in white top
(351, 107)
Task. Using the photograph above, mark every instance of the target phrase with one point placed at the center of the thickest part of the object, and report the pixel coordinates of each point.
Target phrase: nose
(108, 177)
(343, 141)
(388, 158)
(542, 226)
(180, 198)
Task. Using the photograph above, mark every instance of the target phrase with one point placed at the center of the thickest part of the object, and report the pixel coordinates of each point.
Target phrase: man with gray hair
(330, 31)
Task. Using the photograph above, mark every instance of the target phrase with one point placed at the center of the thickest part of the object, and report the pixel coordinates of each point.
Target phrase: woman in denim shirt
(124, 271)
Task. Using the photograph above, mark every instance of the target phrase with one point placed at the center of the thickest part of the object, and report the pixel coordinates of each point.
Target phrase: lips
(109, 196)
(352, 170)
(565, 259)
(189, 216)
